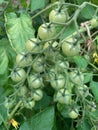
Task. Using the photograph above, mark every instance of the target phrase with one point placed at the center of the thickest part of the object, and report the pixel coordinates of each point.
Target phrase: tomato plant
(48, 64)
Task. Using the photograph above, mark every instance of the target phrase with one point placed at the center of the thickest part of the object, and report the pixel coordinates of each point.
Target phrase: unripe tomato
(18, 75)
(23, 59)
(76, 77)
(57, 81)
(82, 90)
(38, 65)
(38, 94)
(50, 75)
(58, 16)
(33, 46)
(73, 113)
(49, 48)
(46, 31)
(22, 91)
(69, 47)
(91, 106)
(35, 81)
(94, 22)
(29, 104)
(62, 65)
(63, 96)
(9, 103)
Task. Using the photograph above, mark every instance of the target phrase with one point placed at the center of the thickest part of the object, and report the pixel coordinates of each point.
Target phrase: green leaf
(46, 100)
(3, 111)
(37, 4)
(63, 110)
(3, 114)
(3, 78)
(93, 115)
(94, 89)
(88, 12)
(4, 43)
(41, 121)
(19, 30)
(87, 77)
(69, 31)
(3, 61)
(94, 2)
(81, 1)
(80, 61)
(84, 125)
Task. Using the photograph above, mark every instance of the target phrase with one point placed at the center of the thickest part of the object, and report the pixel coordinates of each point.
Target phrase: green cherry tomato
(29, 104)
(69, 47)
(35, 81)
(73, 113)
(22, 91)
(57, 81)
(46, 31)
(63, 96)
(76, 77)
(58, 16)
(33, 46)
(18, 75)
(94, 22)
(9, 103)
(62, 65)
(37, 94)
(82, 90)
(38, 65)
(91, 106)
(23, 60)
(49, 48)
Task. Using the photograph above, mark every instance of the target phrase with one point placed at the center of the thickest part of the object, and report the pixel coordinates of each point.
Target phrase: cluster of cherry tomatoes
(45, 63)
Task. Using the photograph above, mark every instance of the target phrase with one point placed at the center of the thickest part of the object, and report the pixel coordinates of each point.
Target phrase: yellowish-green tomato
(18, 75)
(38, 94)
(57, 81)
(29, 105)
(91, 106)
(35, 81)
(46, 31)
(62, 65)
(63, 96)
(23, 59)
(48, 48)
(22, 91)
(76, 77)
(82, 90)
(38, 65)
(9, 103)
(94, 22)
(58, 16)
(33, 46)
(70, 47)
(73, 113)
